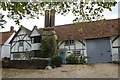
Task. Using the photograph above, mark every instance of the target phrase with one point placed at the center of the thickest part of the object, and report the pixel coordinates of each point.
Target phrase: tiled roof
(84, 30)
(88, 30)
(4, 36)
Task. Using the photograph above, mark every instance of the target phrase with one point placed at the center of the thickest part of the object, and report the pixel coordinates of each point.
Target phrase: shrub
(6, 62)
(82, 59)
(72, 59)
(56, 61)
(116, 62)
(5, 58)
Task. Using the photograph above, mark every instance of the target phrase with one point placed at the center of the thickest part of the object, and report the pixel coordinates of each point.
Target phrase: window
(36, 39)
(36, 53)
(77, 53)
(69, 42)
(20, 43)
(16, 55)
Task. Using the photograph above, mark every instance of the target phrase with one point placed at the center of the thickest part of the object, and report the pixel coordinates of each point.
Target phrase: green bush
(5, 58)
(72, 59)
(82, 59)
(116, 62)
(6, 62)
(56, 61)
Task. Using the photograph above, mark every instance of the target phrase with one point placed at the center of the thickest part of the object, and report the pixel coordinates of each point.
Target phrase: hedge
(25, 64)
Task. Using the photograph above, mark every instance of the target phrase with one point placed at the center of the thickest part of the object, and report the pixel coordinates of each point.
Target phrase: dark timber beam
(115, 38)
(82, 42)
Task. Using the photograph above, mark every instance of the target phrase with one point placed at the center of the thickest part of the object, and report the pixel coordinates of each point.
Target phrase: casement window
(20, 43)
(77, 53)
(69, 42)
(36, 53)
(36, 39)
(21, 56)
(16, 56)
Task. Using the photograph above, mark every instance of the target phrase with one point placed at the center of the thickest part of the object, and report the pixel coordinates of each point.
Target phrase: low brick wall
(25, 64)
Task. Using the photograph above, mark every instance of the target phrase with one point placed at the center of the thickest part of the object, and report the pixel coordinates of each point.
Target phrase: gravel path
(66, 71)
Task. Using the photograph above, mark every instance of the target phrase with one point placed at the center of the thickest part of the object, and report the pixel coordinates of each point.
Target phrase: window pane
(37, 39)
(36, 53)
(21, 43)
(66, 42)
(16, 55)
(77, 53)
(71, 41)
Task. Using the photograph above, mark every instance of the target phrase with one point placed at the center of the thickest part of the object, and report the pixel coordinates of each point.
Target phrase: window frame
(69, 42)
(36, 39)
(21, 43)
(36, 54)
(77, 52)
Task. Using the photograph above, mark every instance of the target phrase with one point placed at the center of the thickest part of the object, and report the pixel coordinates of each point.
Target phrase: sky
(59, 19)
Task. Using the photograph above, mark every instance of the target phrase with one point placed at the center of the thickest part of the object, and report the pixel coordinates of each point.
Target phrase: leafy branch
(83, 11)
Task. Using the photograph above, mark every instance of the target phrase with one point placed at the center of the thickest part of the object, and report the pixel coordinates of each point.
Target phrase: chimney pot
(11, 28)
(35, 26)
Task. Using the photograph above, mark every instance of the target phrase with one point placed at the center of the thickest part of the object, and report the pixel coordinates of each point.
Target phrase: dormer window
(36, 39)
(69, 42)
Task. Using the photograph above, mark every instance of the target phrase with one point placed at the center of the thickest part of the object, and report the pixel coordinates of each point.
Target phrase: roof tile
(4, 36)
(88, 30)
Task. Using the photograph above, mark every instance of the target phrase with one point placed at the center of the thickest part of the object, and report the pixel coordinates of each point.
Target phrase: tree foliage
(83, 11)
(48, 46)
(2, 21)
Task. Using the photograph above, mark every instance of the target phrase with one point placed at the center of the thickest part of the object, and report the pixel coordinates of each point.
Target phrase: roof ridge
(25, 28)
(83, 31)
(87, 22)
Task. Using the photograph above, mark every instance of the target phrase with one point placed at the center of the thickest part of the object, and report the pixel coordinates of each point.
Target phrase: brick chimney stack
(52, 17)
(47, 18)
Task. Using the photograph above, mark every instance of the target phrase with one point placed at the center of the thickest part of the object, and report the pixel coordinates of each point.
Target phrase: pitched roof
(21, 28)
(26, 30)
(40, 31)
(84, 30)
(4, 36)
(88, 30)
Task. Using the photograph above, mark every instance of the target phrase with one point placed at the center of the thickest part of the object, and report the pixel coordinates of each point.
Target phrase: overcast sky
(59, 19)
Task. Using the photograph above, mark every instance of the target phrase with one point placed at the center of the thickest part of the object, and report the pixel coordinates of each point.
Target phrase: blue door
(62, 55)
